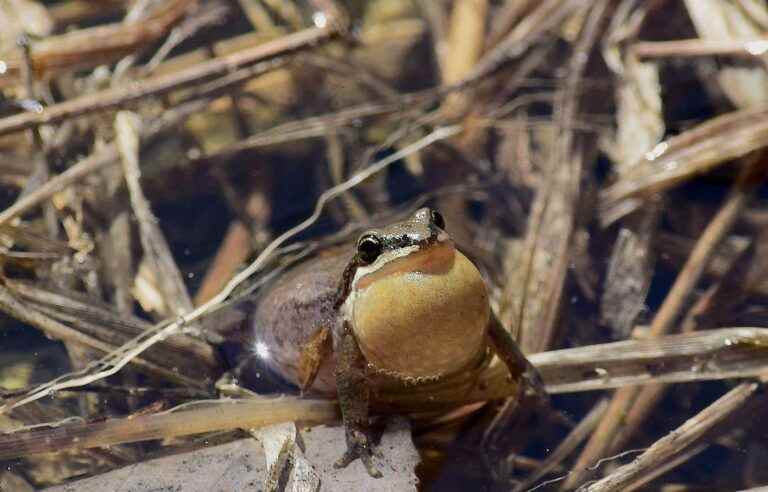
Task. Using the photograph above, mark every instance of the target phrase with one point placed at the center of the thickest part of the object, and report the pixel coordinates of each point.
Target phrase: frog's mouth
(433, 258)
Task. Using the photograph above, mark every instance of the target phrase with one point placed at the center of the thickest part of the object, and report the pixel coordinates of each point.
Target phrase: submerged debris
(603, 163)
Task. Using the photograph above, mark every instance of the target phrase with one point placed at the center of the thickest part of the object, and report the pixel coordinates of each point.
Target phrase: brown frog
(403, 313)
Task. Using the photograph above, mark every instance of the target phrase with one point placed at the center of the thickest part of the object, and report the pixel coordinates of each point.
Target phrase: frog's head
(417, 306)
(419, 241)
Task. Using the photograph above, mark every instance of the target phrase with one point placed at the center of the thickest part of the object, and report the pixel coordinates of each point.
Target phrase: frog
(400, 311)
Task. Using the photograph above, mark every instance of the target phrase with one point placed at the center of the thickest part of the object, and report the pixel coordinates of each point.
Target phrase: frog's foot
(359, 445)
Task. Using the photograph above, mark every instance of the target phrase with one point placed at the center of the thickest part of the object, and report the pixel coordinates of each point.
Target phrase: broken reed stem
(102, 158)
(751, 176)
(466, 37)
(687, 48)
(544, 19)
(154, 245)
(489, 386)
(156, 86)
(666, 466)
(55, 329)
(630, 406)
(677, 441)
(226, 415)
(553, 216)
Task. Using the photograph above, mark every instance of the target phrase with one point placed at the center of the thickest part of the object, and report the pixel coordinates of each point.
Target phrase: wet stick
(630, 406)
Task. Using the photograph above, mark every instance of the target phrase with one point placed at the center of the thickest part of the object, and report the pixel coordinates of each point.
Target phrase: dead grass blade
(677, 441)
(683, 157)
(159, 85)
(549, 237)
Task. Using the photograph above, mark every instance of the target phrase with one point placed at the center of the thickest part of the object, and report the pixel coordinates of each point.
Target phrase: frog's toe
(370, 466)
(365, 457)
(358, 446)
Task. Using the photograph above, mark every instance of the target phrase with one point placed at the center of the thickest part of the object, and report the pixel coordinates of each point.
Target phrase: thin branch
(119, 96)
(687, 48)
(104, 157)
(677, 441)
(156, 249)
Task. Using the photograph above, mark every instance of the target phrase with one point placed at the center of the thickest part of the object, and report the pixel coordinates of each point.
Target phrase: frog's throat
(422, 316)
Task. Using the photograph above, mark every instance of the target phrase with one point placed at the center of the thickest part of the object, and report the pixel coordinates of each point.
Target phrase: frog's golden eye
(369, 248)
(437, 219)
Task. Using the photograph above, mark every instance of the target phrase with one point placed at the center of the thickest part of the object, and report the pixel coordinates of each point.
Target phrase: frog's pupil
(369, 248)
(438, 220)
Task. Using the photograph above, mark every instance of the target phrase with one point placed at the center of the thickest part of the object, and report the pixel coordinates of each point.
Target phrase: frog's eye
(369, 248)
(438, 220)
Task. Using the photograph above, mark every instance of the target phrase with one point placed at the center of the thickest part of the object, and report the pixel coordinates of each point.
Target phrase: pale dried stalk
(221, 415)
(680, 355)
(335, 155)
(677, 441)
(465, 45)
(686, 48)
(23, 312)
(683, 157)
(640, 127)
(552, 221)
(156, 249)
(710, 354)
(115, 244)
(87, 48)
(100, 159)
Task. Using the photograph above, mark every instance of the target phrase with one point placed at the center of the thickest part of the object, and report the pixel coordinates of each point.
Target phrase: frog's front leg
(354, 395)
(314, 352)
(517, 364)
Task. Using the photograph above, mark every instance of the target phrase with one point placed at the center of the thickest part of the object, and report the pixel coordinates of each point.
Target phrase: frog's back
(288, 313)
